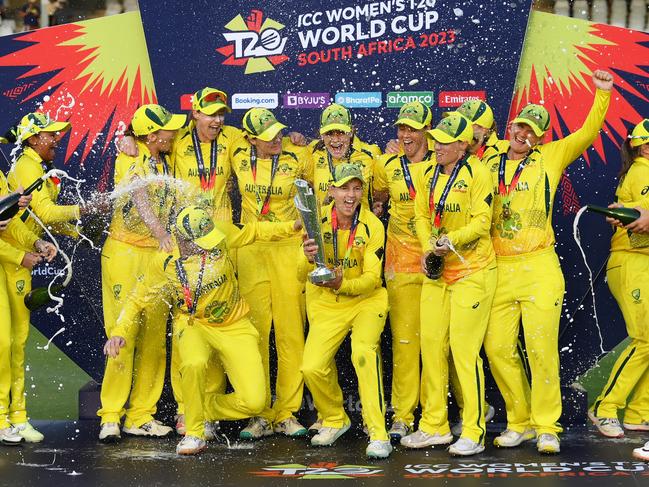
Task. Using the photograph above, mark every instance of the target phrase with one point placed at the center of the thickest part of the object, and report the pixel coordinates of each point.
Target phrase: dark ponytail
(627, 155)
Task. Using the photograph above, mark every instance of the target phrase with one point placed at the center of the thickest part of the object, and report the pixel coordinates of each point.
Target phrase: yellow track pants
(330, 320)
(137, 374)
(237, 348)
(404, 292)
(455, 316)
(269, 283)
(530, 291)
(628, 278)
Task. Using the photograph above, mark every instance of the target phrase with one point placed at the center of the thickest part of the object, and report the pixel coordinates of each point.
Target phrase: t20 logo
(255, 42)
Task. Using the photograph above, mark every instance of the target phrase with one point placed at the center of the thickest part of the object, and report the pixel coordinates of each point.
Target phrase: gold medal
(507, 212)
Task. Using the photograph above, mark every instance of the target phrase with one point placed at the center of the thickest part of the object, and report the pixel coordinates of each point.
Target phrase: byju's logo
(254, 42)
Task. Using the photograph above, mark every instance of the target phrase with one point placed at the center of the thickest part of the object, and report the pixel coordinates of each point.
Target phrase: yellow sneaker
(28, 432)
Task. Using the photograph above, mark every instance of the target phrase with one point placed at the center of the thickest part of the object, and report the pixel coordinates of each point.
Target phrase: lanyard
(206, 183)
(408, 177)
(192, 304)
(163, 162)
(263, 207)
(438, 209)
(352, 233)
(505, 190)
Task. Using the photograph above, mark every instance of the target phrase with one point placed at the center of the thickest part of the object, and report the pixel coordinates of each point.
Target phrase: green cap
(335, 117)
(262, 124)
(478, 112)
(34, 123)
(414, 114)
(536, 116)
(193, 223)
(151, 118)
(209, 101)
(452, 128)
(346, 172)
(640, 134)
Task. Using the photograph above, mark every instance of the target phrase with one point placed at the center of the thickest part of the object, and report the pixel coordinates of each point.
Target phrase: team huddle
(466, 260)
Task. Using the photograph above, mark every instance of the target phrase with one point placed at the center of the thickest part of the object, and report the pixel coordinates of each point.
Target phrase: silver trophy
(307, 205)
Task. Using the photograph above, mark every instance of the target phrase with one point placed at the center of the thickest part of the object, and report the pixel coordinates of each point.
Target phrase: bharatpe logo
(245, 101)
(359, 99)
(396, 99)
(306, 100)
(255, 43)
(323, 470)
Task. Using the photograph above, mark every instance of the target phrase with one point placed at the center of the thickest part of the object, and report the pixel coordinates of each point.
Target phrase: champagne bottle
(625, 215)
(40, 296)
(9, 205)
(434, 266)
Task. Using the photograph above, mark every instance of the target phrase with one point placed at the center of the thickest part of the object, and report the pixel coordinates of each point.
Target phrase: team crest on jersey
(636, 295)
(327, 237)
(359, 241)
(460, 186)
(321, 162)
(117, 289)
(284, 169)
(397, 174)
(20, 286)
(220, 148)
(494, 167)
(245, 165)
(217, 311)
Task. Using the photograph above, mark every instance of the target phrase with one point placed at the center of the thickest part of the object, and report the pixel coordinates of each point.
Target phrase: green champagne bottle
(40, 296)
(9, 204)
(625, 215)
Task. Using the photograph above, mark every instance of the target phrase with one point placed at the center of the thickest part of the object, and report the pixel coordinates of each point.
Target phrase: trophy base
(321, 274)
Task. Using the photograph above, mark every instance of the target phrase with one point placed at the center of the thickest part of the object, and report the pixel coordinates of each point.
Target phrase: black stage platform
(71, 455)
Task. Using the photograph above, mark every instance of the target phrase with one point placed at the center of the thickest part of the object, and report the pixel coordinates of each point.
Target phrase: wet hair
(627, 156)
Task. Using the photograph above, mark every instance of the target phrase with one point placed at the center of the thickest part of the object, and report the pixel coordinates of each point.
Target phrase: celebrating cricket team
(466, 262)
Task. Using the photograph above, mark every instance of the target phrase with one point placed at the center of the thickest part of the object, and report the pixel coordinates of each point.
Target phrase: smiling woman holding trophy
(353, 301)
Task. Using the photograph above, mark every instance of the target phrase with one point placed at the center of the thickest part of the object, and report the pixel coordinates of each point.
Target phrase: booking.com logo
(254, 42)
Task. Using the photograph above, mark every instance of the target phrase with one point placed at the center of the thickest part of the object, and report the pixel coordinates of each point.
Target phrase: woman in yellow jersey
(336, 147)
(484, 125)
(266, 171)
(355, 301)
(138, 232)
(395, 177)
(10, 336)
(627, 274)
(525, 173)
(210, 316)
(39, 136)
(453, 214)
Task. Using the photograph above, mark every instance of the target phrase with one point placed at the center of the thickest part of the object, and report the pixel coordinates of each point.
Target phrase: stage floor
(71, 455)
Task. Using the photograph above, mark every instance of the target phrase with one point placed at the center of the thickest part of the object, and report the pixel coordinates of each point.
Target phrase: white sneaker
(153, 428)
(211, 429)
(10, 437)
(180, 425)
(378, 449)
(315, 427)
(510, 438)
(644, 426)
(421, 439)
(290, 427)
(257, 428)
(398, 430)
(28, 432)
(456, 429)
(642, 453)
(327, 435)
(609, 427)
(548, 443)
(109, 432)
(465, 447)
(191, 445)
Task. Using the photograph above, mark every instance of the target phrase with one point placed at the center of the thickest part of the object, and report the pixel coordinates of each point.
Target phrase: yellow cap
(479, 112)
(452, 128)
(262, 124)
(536, 116)
(335, 117)
(640, 134)
(151, 118)
(194, 223)
(34, 123)
(346, 172)
(209, 101)
(414, 114)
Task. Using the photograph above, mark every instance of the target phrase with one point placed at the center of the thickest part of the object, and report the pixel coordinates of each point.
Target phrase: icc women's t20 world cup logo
(254, 42)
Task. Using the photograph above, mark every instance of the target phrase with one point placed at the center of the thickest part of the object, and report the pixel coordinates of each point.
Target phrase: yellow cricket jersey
(465, 220)
(254, 187)
(403, 252)
(16, 231)
(362, 264)
(27, 169)
(321, 175)
(185, 167)
(219, 302)
(373, 149)
(127, 225)
(633, 191)
(527, 226)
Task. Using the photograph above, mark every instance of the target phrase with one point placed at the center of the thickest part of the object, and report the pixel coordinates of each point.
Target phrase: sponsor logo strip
(396, 99)
(245, 101)
(359, 99)
(306, 100)
(456, 98)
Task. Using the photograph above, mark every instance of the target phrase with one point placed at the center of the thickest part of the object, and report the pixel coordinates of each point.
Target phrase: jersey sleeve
(380, 176)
